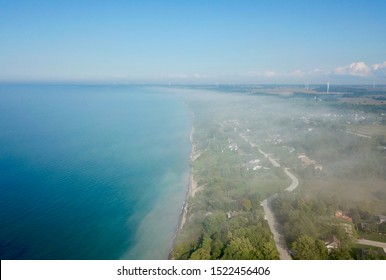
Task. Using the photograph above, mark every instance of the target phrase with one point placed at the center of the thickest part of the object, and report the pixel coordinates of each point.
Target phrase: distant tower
(328, 87)
(307, 86)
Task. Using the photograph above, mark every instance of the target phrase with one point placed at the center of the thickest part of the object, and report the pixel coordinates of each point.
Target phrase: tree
(308, 248)
(246, 204)
(382, 227)
(340, 254)
(214, 223)
(269, 251)
(239, 248)
(200, 254)
(203, 253)
(216, 249)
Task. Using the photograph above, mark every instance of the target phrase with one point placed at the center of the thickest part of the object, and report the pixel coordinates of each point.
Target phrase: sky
(208, 41)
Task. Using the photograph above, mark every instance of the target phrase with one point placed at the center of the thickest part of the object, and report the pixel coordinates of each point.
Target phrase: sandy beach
(192, 186)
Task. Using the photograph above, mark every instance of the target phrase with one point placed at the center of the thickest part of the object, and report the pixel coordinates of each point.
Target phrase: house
(365, 226)
(332, 243)
(231, 214)
(318, 167)
(249, 166)
(339, 214)
(257, 167)
(307, 161)
(233, 147)
(382, 219)
(347, 218)
(253, 165)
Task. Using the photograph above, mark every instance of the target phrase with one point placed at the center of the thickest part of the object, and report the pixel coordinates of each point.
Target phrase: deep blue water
(91, 172)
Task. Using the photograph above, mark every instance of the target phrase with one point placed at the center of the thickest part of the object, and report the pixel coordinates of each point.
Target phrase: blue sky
(194, 41)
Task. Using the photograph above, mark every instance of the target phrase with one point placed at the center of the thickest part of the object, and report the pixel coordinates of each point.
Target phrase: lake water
(91, 172)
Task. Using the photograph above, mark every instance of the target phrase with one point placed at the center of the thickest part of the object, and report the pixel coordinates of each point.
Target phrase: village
(306, 174)
(367, 226)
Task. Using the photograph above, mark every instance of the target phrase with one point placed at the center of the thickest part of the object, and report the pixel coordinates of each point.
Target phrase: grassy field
(372, 236)
(362, 101)
(370, 130)
(368, 194)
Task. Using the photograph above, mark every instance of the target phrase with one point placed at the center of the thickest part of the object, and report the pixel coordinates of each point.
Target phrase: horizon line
(128, 83)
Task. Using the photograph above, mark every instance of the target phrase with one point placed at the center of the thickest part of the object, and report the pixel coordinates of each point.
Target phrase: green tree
(214, 223)
(239, 248)
(246, 204)
(269, 251)
(217, 247)
(340, 254)
(308, 248)
(202, 253)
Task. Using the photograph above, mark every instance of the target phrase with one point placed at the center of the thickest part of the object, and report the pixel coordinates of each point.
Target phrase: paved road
(358, 134)
(268, 156)
(371, 243)
(294, 183)
(270, 217)
(275, 229)
(274, 226)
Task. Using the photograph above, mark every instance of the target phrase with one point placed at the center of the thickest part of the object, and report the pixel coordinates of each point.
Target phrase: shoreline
(191, 190)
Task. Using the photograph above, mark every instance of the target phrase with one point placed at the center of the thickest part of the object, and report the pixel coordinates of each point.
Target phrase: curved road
(272, 222)
(294, 183)
(274, 226)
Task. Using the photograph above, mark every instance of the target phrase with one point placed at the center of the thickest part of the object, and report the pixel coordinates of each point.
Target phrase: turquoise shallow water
(91, 172)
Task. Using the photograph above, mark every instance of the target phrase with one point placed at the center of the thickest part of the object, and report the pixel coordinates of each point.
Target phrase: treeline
(243, 237)
(308, 224)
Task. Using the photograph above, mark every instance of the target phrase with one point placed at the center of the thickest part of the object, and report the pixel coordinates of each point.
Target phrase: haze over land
(316, 162)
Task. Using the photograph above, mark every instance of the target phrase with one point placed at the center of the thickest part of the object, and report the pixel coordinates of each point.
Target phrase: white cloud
(269, 73)
(354, 69)
(379, 66)
(379, 69)
(297, 73)
(175, 76)
(272, 73)
(317, 71)
(183, 77)
(361, 69)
